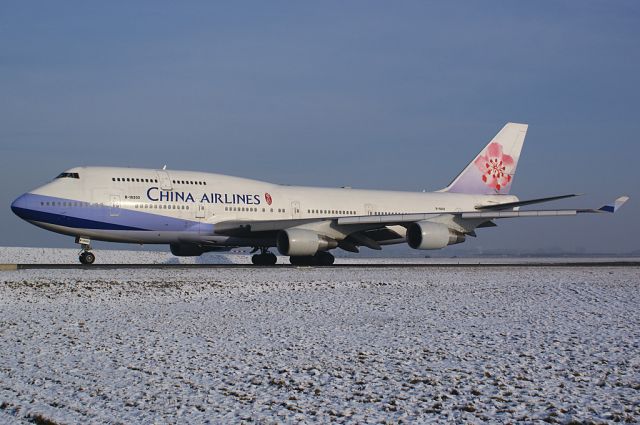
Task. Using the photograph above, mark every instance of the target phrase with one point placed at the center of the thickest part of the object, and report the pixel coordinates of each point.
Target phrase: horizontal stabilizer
(509, 205)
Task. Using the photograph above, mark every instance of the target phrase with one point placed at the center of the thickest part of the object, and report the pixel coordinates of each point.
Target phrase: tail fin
(492, 171)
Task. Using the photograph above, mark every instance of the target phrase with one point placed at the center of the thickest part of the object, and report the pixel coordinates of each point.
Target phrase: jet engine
(302, 242)
(429, 235)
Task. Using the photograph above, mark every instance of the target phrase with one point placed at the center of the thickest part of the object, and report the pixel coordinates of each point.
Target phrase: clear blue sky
(393, 95)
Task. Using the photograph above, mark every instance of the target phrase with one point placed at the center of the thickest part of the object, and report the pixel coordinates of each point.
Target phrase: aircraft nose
(20, 205)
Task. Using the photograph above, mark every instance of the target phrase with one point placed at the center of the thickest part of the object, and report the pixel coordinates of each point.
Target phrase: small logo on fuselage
(267, 198)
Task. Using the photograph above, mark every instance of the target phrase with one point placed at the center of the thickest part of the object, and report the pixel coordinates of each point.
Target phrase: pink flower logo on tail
(495, 166)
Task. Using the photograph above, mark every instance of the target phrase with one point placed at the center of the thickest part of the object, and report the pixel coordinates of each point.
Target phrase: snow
(19, 255)
(473, 345)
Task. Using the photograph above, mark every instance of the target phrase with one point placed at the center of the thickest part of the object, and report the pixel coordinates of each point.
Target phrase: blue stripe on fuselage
(68, 221)
(69, 213)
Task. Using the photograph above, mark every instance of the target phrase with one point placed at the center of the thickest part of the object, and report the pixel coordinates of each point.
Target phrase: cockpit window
(68, 175)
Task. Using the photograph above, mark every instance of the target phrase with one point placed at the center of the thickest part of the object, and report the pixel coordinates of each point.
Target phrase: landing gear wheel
(321, 258)
(271, 259)
(256, 259)
(299, 260)
(264, 259)
(87, 258)
(324, 258)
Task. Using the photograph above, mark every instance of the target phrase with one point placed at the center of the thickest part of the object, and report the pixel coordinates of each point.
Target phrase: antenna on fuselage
(164, 167)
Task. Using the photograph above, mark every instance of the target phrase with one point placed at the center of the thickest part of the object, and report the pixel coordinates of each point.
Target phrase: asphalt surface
(337, 266)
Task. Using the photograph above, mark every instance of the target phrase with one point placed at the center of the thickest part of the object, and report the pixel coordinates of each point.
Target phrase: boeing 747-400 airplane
(199, 212)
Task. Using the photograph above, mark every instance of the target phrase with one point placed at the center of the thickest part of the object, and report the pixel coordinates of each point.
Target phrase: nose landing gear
(86, 256)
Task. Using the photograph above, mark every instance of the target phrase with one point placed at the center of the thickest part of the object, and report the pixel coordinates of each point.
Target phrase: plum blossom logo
(267, 198)
(495, 166)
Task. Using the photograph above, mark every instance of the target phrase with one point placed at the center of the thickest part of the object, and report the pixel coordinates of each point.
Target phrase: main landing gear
(86, 256)
(265, 258)
(322, 258)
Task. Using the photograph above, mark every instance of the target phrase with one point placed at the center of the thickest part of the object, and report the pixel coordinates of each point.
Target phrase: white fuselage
(158, 206)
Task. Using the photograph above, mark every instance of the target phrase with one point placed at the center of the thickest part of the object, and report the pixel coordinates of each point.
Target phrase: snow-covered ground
(19, 255)
(473, 345)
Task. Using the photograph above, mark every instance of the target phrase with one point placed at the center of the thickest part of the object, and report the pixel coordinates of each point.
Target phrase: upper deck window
(68, 175)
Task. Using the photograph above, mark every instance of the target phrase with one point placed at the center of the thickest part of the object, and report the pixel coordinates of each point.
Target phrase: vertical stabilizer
(492, 171)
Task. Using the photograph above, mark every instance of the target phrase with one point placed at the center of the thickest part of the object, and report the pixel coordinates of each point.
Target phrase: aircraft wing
(368, 222)
(498, 212)
(609, 208)
(507, 205)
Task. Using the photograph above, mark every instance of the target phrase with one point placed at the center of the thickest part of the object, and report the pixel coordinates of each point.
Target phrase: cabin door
(164, 180)
(370, 209)
(200, 211)
(295, 209)
(114, 210)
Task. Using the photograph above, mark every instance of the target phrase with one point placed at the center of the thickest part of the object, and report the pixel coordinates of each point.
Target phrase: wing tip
(617, 204)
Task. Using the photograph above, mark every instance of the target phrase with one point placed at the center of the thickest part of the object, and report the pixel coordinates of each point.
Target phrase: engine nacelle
(429, 235)
(302, 242)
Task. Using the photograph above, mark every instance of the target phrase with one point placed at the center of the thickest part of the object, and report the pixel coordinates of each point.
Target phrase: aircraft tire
(324, 258)
(320, 259)
(267, 259)
(306, 260)
(271, 259)
(87, 258)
